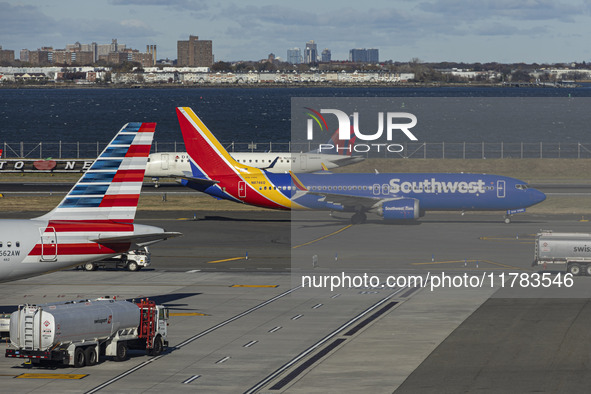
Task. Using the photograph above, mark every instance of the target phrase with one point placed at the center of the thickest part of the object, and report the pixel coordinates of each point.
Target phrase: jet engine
(401, 209)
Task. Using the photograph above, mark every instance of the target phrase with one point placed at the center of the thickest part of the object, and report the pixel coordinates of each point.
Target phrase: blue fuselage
(433, 191)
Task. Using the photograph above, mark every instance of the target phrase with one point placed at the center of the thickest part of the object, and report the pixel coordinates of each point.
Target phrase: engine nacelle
(402, 209)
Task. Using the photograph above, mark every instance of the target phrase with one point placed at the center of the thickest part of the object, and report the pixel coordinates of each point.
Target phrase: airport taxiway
(246, 325)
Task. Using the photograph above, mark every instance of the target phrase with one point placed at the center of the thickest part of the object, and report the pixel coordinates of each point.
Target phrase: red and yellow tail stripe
(210, 157)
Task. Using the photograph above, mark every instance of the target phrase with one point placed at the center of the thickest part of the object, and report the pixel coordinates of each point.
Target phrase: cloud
(14, 19)
(279, 27)
(182, 5)
(534, 10)
(134, 24)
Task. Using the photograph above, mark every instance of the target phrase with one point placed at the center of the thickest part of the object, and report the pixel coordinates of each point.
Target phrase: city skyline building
(326, 55)
(6, 55)
(294, 56)
(195, 52)
(362, 55)
(311, 52)
(87, 54)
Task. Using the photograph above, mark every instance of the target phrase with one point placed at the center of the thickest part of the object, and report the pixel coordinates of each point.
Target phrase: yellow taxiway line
(321, 238)
(50, 376)
(224, 260)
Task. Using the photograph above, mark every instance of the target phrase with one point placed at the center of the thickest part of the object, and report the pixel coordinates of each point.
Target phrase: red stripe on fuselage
(91, 226)
(81, 249)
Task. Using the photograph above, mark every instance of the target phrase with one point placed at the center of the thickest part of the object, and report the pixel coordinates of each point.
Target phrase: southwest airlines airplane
(398, 196)
(94, 221)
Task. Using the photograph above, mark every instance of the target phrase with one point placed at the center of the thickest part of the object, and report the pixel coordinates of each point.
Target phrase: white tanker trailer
(571, 251)
(77, 333)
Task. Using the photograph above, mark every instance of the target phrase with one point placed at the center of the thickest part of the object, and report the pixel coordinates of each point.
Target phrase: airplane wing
(138, 239)
(365, 203)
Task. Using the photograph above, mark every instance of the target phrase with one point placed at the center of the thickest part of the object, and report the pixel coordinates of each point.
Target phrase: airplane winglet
(324, 167)
(272, 164)
(297, 182)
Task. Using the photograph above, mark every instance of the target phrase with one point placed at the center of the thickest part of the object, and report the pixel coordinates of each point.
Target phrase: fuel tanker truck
(77, 333)
(571, 251)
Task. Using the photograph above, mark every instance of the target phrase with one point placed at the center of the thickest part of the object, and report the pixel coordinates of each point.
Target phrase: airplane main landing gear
(358, 218)
(507, 219)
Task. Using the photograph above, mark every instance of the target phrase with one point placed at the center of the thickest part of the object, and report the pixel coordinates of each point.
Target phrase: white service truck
(134, 260)
(77, 333)
(570, 251)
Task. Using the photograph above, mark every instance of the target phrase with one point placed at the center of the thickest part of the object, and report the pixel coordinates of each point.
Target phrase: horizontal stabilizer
(345, 161)
(138, 239)
(200, 181)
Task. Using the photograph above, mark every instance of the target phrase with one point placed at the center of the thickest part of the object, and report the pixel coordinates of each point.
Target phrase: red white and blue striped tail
(110, 189)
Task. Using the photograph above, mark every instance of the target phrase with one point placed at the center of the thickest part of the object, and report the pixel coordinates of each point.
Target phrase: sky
(504, 31)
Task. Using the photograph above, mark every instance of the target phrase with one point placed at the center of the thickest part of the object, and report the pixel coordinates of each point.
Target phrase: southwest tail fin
(110, 189)
(208, 154)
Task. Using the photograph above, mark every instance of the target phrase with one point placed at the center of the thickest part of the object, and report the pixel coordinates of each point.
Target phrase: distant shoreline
(258, 85)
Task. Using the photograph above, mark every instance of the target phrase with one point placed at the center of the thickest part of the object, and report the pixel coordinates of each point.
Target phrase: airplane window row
(385, 188)
(339, 188)
(276, 188)
(9, 244)
(262, 161)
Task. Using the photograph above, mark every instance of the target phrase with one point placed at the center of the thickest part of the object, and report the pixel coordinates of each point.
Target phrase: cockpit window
(521, 186)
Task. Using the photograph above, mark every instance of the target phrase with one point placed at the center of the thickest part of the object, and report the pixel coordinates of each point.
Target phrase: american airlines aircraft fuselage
(31, 247)
(94, 221)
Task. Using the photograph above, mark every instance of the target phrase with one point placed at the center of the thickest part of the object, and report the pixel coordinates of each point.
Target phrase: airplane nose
(536, 196)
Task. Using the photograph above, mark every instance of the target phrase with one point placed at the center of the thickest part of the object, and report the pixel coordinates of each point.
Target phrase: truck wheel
(90, 267)
(158, 347)
(79, 358)
(121, 351)
(574, 269)
(90, 355)
(132, 266)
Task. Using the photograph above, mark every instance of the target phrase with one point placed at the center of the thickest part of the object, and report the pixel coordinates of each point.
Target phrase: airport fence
(418, 150)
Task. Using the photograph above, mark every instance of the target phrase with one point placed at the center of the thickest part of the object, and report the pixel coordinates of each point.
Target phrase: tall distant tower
(326, 55)
(294, 56)
(195, 52)
(151, 49)
(311, 53)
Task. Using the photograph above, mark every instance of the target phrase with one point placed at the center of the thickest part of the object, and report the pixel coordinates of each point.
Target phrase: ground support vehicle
(569, 251)
(78, 333)
(134, 260)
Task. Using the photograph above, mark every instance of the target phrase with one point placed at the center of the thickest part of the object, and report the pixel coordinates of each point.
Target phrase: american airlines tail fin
(110, 189)
(210, 157)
